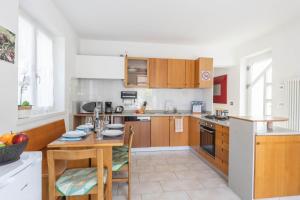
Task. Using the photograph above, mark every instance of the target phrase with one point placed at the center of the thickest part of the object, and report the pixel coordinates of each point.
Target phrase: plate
(85, 126)
(115, 126)
(74, 134)
(112, 133)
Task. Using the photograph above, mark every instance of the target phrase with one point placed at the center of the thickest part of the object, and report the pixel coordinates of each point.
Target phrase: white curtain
(26, 60)
(44, 70)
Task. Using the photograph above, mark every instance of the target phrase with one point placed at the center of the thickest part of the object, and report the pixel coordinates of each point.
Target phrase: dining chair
(78, 181)
(122, 162)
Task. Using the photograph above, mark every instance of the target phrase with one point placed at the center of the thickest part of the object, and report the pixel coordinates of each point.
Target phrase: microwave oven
(89, 106)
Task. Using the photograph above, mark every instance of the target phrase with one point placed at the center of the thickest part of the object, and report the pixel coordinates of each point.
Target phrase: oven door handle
(204, 129)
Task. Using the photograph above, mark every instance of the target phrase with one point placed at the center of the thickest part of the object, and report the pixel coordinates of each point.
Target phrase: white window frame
(38, 27)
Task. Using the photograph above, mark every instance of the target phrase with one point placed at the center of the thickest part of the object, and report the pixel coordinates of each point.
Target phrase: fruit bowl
(11, 153)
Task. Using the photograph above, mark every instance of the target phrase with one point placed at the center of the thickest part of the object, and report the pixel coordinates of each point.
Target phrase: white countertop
(277, 131)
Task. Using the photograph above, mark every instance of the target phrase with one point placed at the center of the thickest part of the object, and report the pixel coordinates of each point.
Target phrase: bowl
(11, 153)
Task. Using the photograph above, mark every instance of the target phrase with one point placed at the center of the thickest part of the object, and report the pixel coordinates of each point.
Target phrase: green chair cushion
(120, 158)
(121, 149)
(79, 181)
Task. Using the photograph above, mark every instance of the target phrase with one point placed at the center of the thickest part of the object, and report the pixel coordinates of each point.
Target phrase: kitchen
(170, 104)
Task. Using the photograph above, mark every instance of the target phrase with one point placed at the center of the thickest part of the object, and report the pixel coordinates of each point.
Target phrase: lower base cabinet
(160, 132)
(222, 148)
(179, 138)
(194, 133)
(141, 133)
(277, 166)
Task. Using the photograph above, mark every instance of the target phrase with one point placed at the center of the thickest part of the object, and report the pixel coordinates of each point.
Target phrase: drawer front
(222, 166)
(25, 185)
(223, 154)
(225, 137)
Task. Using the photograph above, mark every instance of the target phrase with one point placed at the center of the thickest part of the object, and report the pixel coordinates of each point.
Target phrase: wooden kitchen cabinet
(222, 148)
(136, 72)
(160, 131)
(158, 73)
(194, 133)
(179, 138)
(204, 73)
(176, 73)
(277, 166)
(190, 68)
(141, 136)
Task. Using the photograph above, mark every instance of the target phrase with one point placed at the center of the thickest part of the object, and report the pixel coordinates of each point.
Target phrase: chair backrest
(41, 136)
(130, 137)
(53, 155)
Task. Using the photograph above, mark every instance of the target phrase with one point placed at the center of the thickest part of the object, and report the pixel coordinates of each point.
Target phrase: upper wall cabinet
(99, 67)
(136, 72)
(204, 73)
(190, 68)
(176, 73)
(158, 73)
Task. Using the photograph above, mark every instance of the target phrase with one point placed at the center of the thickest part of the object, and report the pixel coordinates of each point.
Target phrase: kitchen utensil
(108, 107)
(112, 133)
(74, 134)
(89, 106)
(119, 109)
(115, 126)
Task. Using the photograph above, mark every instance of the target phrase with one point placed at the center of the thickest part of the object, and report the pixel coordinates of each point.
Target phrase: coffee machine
(108, 107)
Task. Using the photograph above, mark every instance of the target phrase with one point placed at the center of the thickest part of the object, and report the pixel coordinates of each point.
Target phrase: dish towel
(178, 125)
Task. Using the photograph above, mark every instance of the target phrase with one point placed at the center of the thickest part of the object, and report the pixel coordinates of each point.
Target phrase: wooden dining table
(91, 141)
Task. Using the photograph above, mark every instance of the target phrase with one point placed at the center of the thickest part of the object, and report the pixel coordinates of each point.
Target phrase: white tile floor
(173, 175)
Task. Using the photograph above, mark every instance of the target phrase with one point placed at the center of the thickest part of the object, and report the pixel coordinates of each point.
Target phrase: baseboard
(180, 148)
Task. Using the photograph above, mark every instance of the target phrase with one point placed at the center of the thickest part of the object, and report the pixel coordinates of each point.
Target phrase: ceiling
(187, 22)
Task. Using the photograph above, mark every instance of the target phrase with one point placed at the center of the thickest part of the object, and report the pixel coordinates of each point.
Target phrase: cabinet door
(194, 132)
(158, 73)
(179, 138)
(141, 136)
(190, 73)
(99, 67)
(204, 73)
(277, 164)
(176, 73)
(160, 131)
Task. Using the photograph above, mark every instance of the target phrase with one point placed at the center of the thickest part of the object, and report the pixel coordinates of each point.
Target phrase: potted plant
(25, 106)
(24, 83)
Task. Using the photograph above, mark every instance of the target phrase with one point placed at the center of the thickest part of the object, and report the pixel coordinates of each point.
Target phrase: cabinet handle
(257, 143)
(25, 186)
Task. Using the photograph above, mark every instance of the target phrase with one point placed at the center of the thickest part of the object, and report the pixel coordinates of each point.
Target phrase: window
(259, 87)
(35, 68)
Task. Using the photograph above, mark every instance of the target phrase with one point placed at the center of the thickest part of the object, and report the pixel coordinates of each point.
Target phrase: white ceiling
(191, 22)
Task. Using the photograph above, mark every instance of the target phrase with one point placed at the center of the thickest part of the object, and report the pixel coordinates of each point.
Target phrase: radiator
(293, 104)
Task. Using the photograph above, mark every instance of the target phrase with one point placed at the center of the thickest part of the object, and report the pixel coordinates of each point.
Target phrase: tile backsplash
(110, 90)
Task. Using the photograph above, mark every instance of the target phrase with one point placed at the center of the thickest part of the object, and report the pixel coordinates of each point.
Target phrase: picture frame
(7, 45)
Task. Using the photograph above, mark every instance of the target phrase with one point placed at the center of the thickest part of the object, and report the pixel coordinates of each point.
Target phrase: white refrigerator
(22, 180)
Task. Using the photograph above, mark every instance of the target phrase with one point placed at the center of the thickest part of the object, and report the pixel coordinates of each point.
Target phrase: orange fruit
(7, 138)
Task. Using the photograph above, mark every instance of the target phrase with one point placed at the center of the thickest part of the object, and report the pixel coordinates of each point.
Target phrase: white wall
(110, 90)
(8, 71)
(47, 14)
(232, 90)
(223, 55)
(285, 45)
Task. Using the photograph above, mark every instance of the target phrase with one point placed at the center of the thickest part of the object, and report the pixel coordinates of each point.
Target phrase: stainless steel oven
(207, 137)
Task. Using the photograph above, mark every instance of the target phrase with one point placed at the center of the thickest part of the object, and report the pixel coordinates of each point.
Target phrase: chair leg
(129, 182)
